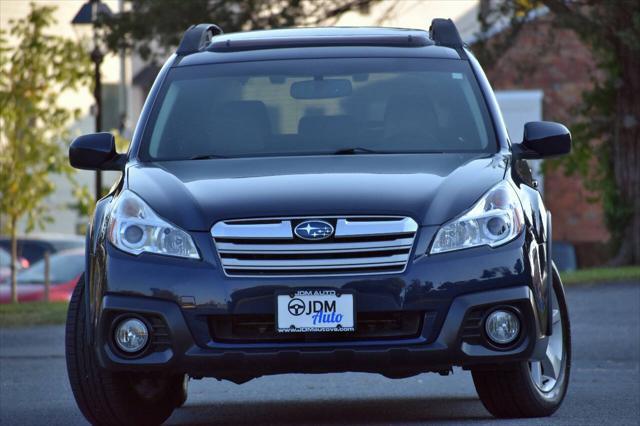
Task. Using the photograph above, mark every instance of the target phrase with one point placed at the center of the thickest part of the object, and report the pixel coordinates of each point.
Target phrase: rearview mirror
(543, 139)
(321, 88)
(95, 151)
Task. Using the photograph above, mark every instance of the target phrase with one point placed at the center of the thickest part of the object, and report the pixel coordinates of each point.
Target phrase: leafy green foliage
(606, 131)
(513, 13)
(33, 126)
(161, 24)
(607, 139)
(592, 157)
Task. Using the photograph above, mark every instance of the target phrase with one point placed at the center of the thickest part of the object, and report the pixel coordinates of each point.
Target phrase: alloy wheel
(546, 372)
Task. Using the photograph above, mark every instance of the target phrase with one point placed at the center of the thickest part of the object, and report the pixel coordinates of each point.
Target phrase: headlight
(494, 220)
(135, 228)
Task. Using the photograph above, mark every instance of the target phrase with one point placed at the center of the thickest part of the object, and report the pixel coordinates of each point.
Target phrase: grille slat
(360, 245)
(306, 263)
(307, 266)
(402, 243)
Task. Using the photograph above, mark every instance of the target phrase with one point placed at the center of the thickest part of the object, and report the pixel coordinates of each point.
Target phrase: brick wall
(556, 62)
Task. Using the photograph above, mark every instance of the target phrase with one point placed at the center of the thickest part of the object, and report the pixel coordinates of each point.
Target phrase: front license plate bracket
(315, 311)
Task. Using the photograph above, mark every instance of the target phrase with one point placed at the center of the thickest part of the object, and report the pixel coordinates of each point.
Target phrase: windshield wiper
(207, 157)
(356, 150)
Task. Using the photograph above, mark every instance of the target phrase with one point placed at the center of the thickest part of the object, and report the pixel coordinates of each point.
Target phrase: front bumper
(452, 344)
(180, 296)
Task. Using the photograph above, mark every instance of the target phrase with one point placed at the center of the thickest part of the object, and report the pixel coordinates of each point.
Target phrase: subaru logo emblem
(314, 230)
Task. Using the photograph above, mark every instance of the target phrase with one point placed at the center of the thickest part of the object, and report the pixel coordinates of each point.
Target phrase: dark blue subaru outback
(314, 201)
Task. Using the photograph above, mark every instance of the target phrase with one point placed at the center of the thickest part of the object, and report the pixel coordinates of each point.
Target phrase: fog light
(131, 335)
(502, 327)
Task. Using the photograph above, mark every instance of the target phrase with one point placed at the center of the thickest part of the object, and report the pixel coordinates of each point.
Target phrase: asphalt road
(604, 388)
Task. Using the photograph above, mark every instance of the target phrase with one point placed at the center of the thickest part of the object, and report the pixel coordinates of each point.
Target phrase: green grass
(33, 313)
(602, 275)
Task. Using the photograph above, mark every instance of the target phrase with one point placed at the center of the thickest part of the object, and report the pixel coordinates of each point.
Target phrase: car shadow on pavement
(333, 411)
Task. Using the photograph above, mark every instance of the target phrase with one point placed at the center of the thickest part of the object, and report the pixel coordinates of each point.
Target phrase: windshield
(62, 268)
(318, 106)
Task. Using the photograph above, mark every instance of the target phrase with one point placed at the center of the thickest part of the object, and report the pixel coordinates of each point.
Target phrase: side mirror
(96, 151)
(543, 139)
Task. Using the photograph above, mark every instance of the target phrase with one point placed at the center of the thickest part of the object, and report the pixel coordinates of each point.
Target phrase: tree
(161, 24)
(607, 130)
(35, 69)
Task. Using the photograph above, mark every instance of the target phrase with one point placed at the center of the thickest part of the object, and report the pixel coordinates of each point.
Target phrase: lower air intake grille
(349, 246)
(472, 332)
(261, 328)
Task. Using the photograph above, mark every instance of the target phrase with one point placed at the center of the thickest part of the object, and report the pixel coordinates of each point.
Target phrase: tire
(182, 392)
(520, 390)
(107, 398)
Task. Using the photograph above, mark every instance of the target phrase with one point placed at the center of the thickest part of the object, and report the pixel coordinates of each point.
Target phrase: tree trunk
(626, 146)
(14, 259)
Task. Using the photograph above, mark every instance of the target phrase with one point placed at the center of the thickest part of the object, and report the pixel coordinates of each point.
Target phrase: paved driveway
(604, 389)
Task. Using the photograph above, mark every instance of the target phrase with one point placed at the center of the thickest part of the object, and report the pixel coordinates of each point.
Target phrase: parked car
(5, 264)
(313, 201)
(65, 268)
(33, 247)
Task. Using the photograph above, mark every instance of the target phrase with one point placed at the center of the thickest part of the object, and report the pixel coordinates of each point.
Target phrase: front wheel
(108, 398)
(534, 388)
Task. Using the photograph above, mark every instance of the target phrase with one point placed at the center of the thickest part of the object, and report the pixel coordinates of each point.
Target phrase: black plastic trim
(444, 33)
(197, 37)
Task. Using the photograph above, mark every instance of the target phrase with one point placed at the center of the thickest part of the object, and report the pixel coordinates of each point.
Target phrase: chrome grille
(360, 245)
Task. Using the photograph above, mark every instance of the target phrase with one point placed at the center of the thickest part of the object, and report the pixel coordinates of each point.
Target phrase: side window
(31, 251)
(163, 118)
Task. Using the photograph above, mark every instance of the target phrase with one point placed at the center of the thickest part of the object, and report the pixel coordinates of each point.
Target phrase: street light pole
(96, 58)
(85, 24)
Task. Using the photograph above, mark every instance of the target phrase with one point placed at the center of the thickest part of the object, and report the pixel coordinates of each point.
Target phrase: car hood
(431, 188)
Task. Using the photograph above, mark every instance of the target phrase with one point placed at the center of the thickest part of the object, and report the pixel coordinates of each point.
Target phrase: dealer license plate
(305, 311)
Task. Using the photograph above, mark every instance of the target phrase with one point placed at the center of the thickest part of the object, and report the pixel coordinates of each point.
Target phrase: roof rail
(445, 33)
(410, 39)
(197, 37)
